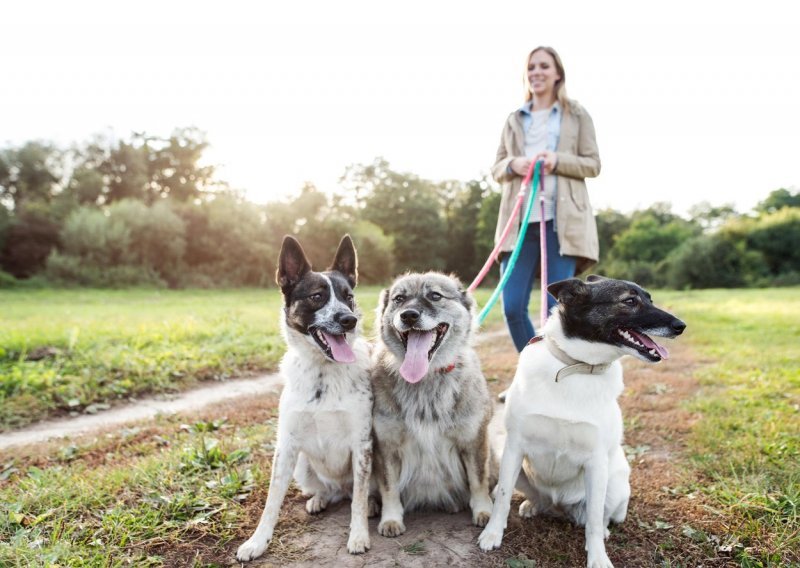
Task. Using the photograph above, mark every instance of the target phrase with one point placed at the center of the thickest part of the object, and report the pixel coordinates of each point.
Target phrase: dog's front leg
(476, 461)
(492, 535)
(595, 478)
(362, 469)
(388, 474)
(282, 466)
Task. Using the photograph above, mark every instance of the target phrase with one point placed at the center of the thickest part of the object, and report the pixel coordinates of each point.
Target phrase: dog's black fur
(306, 292)
(601, 308)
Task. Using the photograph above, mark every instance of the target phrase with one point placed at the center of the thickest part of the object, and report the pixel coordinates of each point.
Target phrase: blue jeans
(517, 293)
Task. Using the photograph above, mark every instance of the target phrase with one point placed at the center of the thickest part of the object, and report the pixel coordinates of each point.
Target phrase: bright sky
(692, 101)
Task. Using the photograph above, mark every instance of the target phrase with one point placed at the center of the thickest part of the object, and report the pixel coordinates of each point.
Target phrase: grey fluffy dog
(432, 407)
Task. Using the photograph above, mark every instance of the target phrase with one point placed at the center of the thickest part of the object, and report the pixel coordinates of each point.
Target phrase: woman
(558, 131)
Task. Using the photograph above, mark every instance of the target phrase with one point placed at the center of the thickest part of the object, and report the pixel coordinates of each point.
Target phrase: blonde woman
(552, 128)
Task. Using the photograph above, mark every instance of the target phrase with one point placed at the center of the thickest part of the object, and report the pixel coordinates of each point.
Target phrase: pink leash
(489, 261)
(543, 256)
(542, 242)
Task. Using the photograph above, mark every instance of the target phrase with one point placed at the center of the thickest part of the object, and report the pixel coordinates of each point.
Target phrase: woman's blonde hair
(560, 87)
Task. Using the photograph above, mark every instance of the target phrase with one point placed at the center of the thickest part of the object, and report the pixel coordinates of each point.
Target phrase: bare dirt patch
(658, 531)
(663, 514)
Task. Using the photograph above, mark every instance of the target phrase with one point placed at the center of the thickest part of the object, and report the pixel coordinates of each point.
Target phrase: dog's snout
(409, 317)
(678, 326)
(347, 321)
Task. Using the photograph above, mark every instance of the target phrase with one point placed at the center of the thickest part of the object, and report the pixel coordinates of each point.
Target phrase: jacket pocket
(578, 194)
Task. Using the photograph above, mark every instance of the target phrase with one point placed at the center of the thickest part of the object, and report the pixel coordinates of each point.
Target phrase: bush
(227, 244)
(719, 260)
(777, 237)
(28, 241)
(7, 280)
(75, 271)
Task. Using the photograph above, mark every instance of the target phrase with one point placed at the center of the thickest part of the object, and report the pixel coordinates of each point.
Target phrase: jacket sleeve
(586, 163)
(500, 170)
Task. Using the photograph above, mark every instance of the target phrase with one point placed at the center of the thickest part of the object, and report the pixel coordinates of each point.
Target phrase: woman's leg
(517, 293)
(558, 267)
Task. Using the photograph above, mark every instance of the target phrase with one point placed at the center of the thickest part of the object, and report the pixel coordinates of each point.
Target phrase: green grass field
(128, 498)
(111, 345)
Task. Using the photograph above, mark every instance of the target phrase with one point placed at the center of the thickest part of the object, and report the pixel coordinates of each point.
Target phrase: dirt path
(660, 520)
(151, 407)
(663, 510)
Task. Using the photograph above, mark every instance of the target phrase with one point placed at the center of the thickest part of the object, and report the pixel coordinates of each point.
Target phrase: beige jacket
(578, 159)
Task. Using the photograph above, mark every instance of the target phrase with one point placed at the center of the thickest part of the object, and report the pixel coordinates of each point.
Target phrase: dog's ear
(595, 278)
(383, 302)
(292, 264)
(570, 291)
(346, 261)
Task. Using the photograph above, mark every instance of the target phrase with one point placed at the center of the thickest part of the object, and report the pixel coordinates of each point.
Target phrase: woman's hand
(520, 166)
(549, 159)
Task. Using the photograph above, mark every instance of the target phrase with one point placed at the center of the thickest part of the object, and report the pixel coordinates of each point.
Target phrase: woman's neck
(541, 102)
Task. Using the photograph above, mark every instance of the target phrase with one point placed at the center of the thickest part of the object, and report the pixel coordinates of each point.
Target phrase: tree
(29, 238)
(126, 172)
(610, 224)
(779, 199)
(174, 165)
(29, 174)
(777, 236)
(711, 217)
(463, 203)
(407, 209)
(719, 260)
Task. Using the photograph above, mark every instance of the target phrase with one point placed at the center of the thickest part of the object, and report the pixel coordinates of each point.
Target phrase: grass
(157, 494)
(103, 346)
(747, 443)
(128, 498)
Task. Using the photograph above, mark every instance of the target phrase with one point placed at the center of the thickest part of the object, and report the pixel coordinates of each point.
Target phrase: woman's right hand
(520, 166)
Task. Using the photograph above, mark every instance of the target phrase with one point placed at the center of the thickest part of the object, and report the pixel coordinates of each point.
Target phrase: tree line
(144, 211)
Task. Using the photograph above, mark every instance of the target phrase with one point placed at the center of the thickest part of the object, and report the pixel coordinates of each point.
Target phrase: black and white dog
(562, 417)
(325, 412)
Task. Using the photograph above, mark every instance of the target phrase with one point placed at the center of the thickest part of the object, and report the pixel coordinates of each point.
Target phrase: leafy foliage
(149, 211)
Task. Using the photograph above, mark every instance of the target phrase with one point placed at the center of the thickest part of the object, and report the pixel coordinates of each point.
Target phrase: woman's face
(542, 73)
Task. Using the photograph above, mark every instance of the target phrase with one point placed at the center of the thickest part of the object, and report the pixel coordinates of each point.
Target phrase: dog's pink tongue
(415, 365)
(339, 348)
(650, 344)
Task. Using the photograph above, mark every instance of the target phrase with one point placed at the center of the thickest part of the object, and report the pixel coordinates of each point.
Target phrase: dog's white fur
(324, 435)
(567, 438)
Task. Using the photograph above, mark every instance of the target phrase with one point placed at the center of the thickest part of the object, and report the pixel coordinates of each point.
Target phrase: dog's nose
(409, 316)
(678, 326)
(347, 321)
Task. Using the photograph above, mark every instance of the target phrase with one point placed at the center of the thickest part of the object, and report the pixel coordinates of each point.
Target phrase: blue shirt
(553, 123)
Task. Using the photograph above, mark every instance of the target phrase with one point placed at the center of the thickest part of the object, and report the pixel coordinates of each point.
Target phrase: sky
(691, 101)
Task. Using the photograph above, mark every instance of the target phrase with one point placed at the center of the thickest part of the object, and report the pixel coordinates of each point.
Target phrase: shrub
(72, 270)
(719, 260)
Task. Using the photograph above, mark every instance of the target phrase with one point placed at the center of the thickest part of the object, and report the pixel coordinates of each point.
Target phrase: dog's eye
(629, 301)
(315, 297)
(435, 296)
(399, 299)
(350, 298)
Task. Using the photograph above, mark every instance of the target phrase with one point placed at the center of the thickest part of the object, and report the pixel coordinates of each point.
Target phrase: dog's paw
(490, 539)
(373, 507)
(252, 548)
(527, 509)
(391, 528)
(598, 559)
(481, 518)
(358, 543)
(316, 504)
